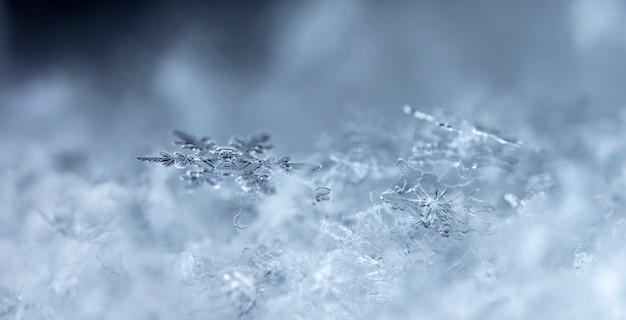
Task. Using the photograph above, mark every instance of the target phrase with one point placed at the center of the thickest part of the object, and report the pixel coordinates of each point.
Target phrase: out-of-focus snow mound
(505, 201)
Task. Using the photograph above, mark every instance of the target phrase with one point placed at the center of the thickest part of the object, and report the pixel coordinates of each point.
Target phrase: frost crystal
(433, 204)
(241, 158)
(461, 127)
(442, 183)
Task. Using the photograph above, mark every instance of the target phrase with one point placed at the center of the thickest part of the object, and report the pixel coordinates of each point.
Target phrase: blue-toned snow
(498, 192)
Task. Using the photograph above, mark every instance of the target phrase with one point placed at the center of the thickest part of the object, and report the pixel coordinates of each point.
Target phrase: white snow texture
(473, 166)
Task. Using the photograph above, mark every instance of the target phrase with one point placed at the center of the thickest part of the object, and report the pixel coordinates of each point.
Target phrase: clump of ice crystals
(405, 200)
(443, 183)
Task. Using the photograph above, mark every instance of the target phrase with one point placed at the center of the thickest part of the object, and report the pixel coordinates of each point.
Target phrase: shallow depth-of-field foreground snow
(442, 163)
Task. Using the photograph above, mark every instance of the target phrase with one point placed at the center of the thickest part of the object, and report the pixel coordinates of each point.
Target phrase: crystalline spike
(424, 116)
(164, 159)
(253, 144)
(477, 130)
(188, 141)
(150, 159)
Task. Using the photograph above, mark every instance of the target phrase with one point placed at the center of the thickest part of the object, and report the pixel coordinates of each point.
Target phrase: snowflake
(434, 205)
(241, 158)
(430, 209)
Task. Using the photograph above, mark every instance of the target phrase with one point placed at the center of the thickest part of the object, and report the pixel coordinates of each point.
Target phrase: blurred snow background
(88, 232)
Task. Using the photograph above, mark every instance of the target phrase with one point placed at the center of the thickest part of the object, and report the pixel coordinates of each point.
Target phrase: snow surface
(475, 158)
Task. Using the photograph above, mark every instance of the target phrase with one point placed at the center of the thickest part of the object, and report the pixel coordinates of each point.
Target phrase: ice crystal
(464, 145)
(242, 159)
(449, 209)
(462, 127)
(442, 183)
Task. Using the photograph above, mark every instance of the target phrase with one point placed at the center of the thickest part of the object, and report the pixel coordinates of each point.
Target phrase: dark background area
(299, 69)
(99, 33)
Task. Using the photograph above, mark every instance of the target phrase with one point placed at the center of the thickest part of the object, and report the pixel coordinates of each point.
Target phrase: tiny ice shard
(461, 127)
(430, 118)
(477, 130)
(188, 141)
